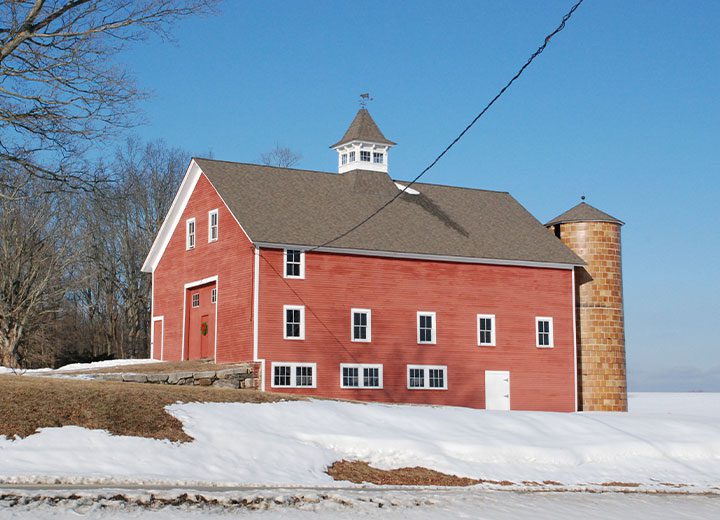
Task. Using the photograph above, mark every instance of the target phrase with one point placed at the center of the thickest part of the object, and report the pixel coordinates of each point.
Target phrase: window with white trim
(190, 233)
(294, 321)
(213, 295)
(294, 263)
(426, 327)
(344, 158)
(361, 376)
(543, 332)
(352, 156)
(364, 155)
(294, 375)
(427, 377)
(196, 300)
(361, 326)
(378, 158)
(486, 330)
(213, 227)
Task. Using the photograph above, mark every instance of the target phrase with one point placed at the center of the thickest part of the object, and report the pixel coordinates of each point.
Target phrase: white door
(497, 390)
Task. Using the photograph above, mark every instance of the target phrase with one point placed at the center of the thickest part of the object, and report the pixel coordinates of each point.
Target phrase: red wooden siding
(230, 259)
(395, 289)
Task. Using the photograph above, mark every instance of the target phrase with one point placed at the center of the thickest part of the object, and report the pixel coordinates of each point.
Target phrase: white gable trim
(173, 217)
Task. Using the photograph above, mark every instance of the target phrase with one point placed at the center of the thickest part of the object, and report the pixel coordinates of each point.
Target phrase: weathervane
(365, 99)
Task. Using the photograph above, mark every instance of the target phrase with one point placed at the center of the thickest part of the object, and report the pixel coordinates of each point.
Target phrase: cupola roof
(363, 128)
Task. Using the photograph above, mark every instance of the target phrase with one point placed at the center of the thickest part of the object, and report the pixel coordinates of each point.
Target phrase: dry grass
(160, 368)
(360, 472)
(28, 403)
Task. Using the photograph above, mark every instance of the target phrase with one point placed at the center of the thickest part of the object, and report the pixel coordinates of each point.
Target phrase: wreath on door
(204, 328)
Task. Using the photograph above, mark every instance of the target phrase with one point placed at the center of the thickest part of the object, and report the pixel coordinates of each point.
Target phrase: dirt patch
(159, 368)
(620, 484)
(359, 472)
(29, 403)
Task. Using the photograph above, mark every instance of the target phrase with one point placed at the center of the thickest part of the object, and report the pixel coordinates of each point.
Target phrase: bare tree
(60, 90)
(118, 227)
(35, 263)
(281, 156)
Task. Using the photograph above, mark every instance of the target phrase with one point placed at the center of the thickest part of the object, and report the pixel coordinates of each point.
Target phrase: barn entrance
(200, 307)
(497, 390)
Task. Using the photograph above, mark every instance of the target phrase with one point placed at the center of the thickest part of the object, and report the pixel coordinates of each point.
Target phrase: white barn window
(213, 227)
(294, 321)
(544, 332)
(294, 260)
(294, 375)
(361, 325)
(426, 328)
(361, 376)
(427, 377)
(486, 330)
(190, 233)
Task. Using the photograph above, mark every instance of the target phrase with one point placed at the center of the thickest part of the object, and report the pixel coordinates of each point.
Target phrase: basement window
(486, 330)
(378, 158)
(427, 377)
(361, 326)
(544, 332)
(364, 156)
(294, 321)
(426, 328)
(294, 263)
(196, 300)
(361, 376)
(294, 375)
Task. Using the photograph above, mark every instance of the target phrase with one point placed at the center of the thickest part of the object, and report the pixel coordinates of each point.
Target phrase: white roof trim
(187, 186)
(420, 256)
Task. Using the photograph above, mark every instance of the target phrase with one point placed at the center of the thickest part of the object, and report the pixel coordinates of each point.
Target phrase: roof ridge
(264, 165)
(450, 186)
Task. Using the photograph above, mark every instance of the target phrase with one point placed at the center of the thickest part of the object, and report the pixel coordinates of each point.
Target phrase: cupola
(363, 147)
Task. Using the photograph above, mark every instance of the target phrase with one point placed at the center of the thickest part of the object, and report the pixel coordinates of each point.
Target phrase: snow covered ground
(664, 439)
(81, 366)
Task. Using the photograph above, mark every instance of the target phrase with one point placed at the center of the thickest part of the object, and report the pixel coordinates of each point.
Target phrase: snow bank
(291, 443)
(83, 366)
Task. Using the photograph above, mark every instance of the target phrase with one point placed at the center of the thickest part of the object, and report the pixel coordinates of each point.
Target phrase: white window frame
(193, 298)
(426, 376)
(344, 158)
(538, 319)
(293, 374)
(351, 156)
(368, 313)
(380, 156)
(190, 238)
(366, 153)
(490, 317)
(211, 213)
(301, 308)
(213, 295)
(361, 376)
(434, 327)
(302, 264)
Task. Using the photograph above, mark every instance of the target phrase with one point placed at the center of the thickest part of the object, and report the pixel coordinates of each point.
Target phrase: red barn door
(200, 322)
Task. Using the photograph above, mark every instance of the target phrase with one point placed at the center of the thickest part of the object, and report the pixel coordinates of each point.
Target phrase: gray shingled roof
(363, 128)
(307, 208)
(584, 212)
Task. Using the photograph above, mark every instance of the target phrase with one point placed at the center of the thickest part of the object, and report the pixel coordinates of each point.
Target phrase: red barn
(448, 296)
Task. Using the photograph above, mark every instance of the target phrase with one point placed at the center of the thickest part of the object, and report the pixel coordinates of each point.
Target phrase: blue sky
(623, 107)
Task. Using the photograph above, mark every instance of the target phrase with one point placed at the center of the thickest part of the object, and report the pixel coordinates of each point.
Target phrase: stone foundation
(241, 376)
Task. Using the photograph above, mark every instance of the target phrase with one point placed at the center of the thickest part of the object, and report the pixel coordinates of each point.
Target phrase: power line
(532, 57)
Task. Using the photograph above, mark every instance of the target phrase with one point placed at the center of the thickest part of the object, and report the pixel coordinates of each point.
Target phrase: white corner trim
(575, 353)
(256, 304)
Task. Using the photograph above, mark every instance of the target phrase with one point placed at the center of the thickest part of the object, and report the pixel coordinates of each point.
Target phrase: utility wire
(534, 55)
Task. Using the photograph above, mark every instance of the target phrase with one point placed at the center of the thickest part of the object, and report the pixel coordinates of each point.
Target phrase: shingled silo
(600, 324)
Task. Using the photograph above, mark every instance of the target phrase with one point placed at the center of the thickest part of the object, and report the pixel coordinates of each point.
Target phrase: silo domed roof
(584, 212)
